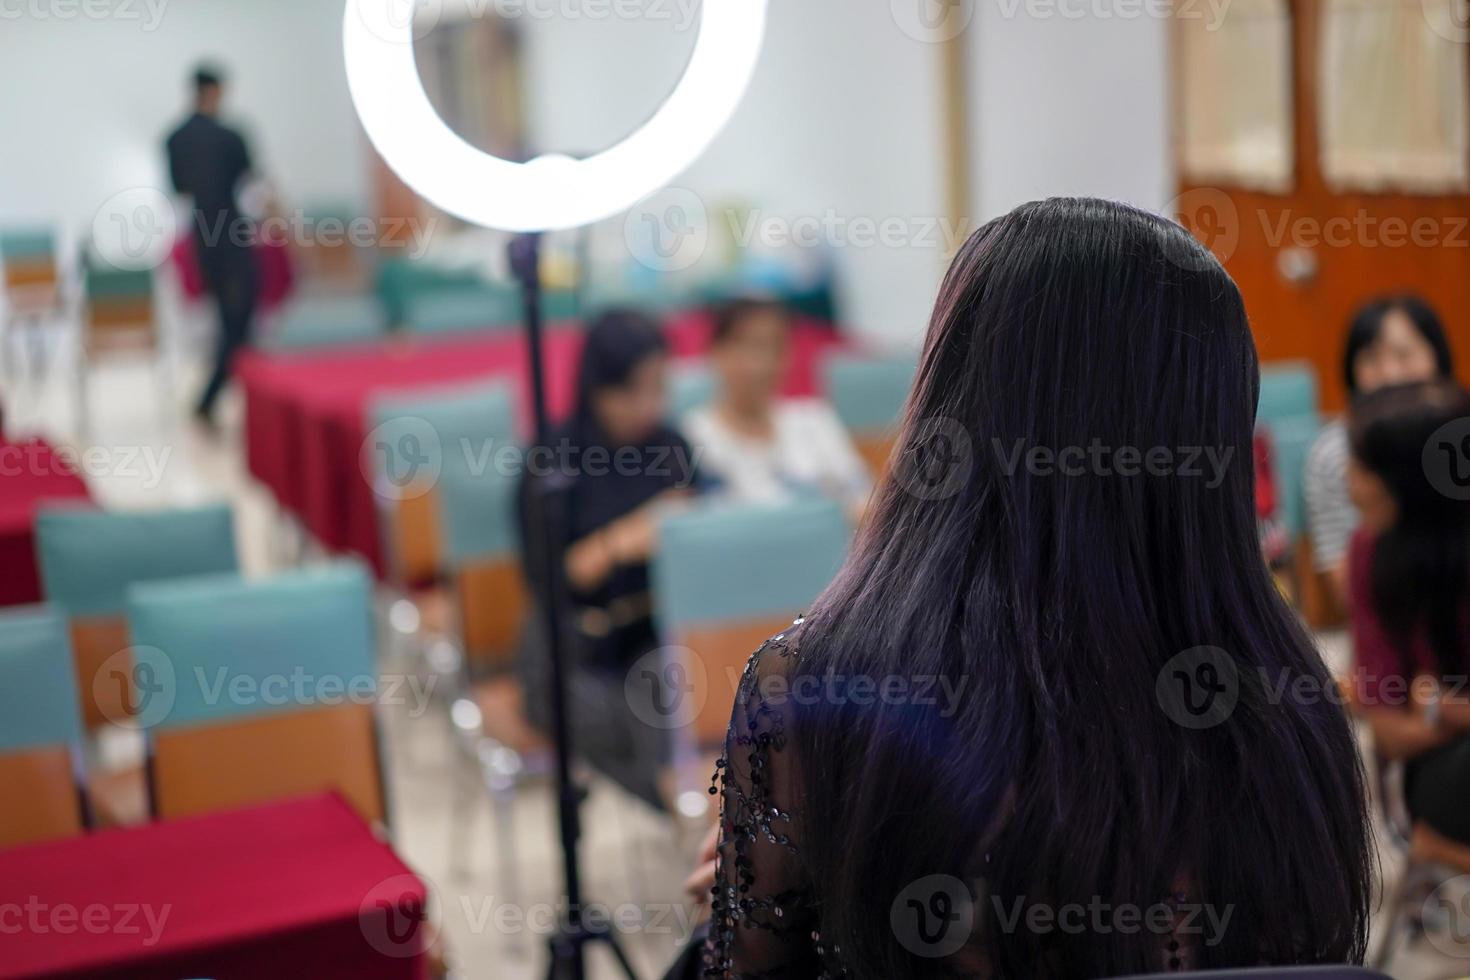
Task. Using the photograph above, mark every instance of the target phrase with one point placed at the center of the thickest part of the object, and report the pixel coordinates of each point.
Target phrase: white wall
(1069, 105)
(842, 121)
(839, 126)
(88, 102)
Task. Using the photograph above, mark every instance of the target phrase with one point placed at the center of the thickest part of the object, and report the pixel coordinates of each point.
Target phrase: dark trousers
(230, 275)
(1437, 787)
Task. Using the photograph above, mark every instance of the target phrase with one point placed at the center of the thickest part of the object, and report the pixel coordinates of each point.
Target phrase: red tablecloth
(30, 473)
(306, 415)
(300, 889)
(272, 262)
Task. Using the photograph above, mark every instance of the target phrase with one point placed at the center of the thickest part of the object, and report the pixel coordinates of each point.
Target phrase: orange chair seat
(40, 799)
(235, 763)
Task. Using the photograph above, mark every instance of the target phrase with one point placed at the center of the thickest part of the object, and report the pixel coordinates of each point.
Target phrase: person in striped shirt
(1391, 341)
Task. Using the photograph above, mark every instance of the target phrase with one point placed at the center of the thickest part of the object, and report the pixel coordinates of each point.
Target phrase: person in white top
(754, 446)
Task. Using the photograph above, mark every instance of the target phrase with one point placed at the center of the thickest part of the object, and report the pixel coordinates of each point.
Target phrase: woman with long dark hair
(1409, 574)
(615, 465)
(1049, 719)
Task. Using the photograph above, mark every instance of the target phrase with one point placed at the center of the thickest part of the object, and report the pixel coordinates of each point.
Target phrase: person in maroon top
(1409, 592)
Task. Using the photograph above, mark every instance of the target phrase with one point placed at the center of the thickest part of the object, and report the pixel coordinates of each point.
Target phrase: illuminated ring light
(549, 192)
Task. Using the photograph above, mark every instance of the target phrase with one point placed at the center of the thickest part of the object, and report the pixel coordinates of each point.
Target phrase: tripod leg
(619, 955)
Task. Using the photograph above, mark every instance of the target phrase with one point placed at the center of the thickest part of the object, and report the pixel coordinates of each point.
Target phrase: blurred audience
(1398, 340)
(1409, 582)
(614, 467)
(753, 445)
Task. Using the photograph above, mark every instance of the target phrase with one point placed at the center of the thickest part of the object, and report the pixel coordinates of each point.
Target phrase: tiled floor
(494, 901)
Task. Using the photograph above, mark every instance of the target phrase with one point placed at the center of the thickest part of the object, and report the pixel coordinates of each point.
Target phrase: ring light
(549, 192)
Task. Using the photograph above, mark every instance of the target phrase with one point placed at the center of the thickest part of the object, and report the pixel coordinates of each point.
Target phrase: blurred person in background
(1409, 587)
(1086, 757)
(1397, 340)
(208, 161)
(619, 467)
(757, 447)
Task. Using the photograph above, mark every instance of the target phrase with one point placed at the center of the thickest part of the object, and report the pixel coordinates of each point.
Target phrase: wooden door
(1306, 259)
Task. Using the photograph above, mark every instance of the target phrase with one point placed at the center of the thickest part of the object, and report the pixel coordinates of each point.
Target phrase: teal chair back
(727, 578)
(107, 284)
(478, 517)
(38, 700)
(40, 730)
(463, 309)
(400, 280)
(1291, 441)
(90, 557)
(868, 393)
(27, 244)
(448, 430)
(725, 564)
(258, 691)
(316, 623)
(328, 321)
(1288, 390)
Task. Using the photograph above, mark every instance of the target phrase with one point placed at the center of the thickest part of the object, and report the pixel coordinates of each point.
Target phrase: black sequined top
(764, 921)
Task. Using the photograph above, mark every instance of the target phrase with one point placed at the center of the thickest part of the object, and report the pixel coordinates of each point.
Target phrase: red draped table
(31, 473)
(298, 890)
(306, 415)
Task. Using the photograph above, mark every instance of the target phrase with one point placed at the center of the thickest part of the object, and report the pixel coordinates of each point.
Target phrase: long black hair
(1367, 324)
(618, 341)
(1054, 595)
(1420, 570)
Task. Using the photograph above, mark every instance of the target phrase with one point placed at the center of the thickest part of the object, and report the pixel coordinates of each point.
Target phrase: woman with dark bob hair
(1052, 718)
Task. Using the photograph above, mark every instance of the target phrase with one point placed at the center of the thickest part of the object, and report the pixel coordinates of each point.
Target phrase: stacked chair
(868, 394)
(119, 316)
(40, 730)
(34, 297)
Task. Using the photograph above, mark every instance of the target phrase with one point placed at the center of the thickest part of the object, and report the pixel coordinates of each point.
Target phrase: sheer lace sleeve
(763, 922)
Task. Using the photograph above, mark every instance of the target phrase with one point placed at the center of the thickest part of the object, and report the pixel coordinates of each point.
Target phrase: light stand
(547, 510)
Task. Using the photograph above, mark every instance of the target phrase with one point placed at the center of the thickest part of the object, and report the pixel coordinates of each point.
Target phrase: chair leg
(1393, 911)
(462, 811)
(502, 804)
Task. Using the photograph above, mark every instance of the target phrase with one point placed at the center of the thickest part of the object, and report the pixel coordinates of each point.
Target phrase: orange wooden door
(1306, 259)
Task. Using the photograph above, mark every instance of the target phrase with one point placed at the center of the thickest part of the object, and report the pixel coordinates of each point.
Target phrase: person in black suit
(207, 161)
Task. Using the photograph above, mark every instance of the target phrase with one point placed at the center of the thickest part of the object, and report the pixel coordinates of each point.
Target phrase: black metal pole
(548, 510)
